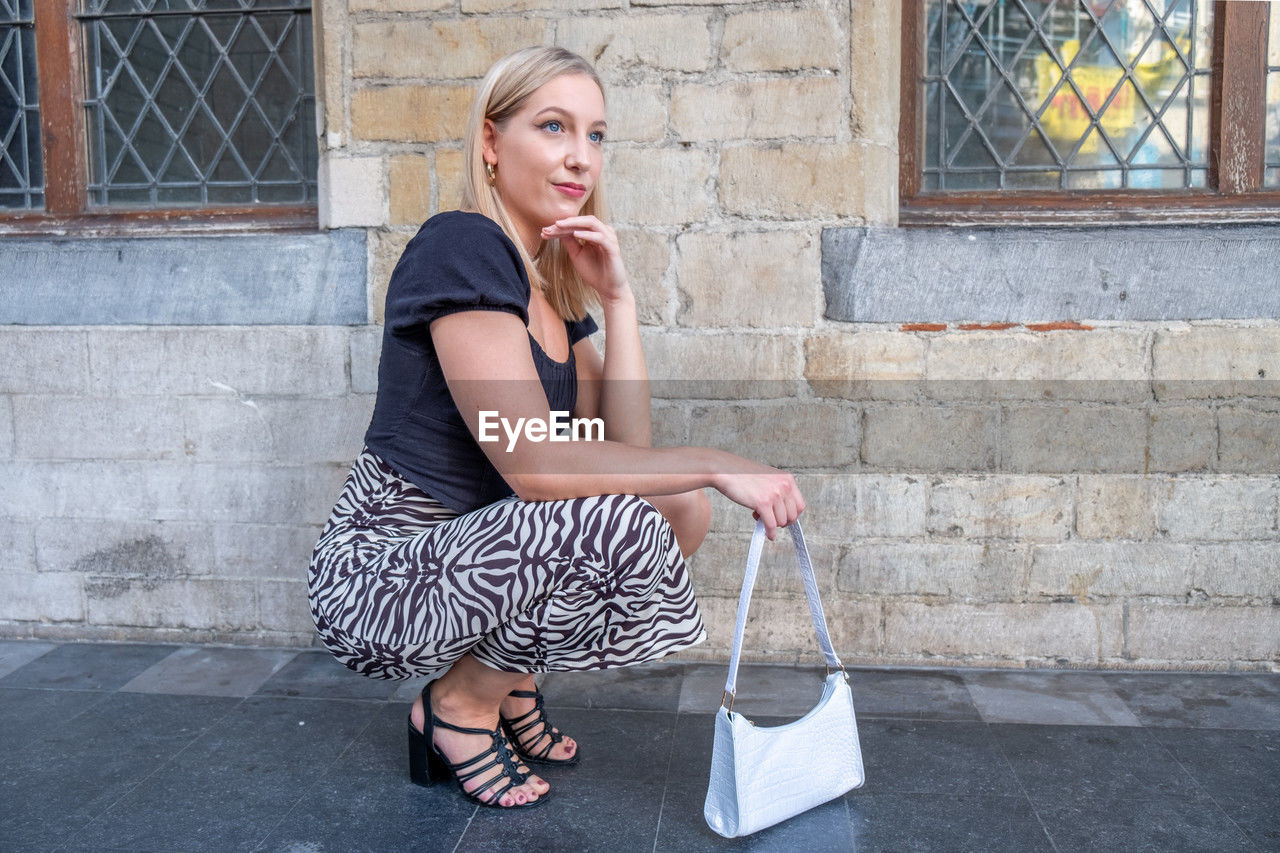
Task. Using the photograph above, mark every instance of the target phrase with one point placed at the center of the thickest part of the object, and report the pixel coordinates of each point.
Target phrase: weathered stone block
(636, 113)
(647, 255)
(875, 72)
(671, 42)
(780, 629)
(1216, 361)
(961, 570)
(807, 180)
(1002, 506)
(353, 192)
(718, 366)
(1074, 438)
(785, 433)
(450, 168)
(720, 561)
(1115, 507)
(782, 40)
(757, 109)
(1248, 440)
(17, 547)
(385, 249)
(43, 361)
(1088, 570)
(131, 490)
(762, 279)
(234, 360)
(420, 6)
(276, 430)
(1102, 364)
(409, 189)
(171, 603)
(329, 23)
(264, 551)
(1237, 569)
(659, 186)
(283, 606)
(1070, 632)
(1182, 438)
(407, 113)
(865, 364)
(931, 438)
(492, 6)
(124, 548)
(28, 597)
(669, 424)
(846, 507)
(97, 427)
(366, 351)
(1243, 508)
(439, 48)
(1190, 634)
(6, 426)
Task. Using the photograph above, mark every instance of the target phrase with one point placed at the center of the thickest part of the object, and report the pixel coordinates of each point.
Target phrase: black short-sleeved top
(457, 261)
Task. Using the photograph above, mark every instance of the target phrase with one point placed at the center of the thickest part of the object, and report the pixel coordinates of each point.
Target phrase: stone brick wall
(1068, 493)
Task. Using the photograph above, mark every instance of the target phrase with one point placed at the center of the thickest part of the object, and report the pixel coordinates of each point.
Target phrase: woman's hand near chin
(592, 246)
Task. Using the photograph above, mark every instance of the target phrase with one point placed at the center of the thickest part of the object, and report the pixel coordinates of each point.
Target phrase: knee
(689, 514)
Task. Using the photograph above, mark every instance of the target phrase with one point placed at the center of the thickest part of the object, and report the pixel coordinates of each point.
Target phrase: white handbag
(763, 775)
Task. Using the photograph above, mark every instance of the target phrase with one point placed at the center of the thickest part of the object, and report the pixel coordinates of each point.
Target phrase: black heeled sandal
(428, 765)
(517, 727)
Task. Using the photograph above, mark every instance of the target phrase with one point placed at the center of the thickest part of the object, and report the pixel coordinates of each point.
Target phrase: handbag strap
(810, 591)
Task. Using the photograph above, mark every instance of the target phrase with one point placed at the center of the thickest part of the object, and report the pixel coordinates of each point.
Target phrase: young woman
(464, 546)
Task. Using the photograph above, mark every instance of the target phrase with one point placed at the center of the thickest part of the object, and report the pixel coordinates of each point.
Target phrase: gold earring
(488, 167)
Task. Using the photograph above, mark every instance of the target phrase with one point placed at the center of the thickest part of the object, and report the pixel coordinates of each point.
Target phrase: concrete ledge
(291, 279)
(907, 275)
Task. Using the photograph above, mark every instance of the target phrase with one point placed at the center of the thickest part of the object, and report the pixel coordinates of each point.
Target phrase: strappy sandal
(517, 727)
(427, 764)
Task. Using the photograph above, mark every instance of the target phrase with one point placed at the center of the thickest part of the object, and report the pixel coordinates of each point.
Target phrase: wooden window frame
(64, 148)
(1236, 151)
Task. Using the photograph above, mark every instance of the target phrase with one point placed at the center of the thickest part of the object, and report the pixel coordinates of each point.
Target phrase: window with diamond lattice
(1144, 109)
(161, 109)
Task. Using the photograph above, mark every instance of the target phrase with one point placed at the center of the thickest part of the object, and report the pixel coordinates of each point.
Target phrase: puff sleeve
(463, 262)
(579, 329)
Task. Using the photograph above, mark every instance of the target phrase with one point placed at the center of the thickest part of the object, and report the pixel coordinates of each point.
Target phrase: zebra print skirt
(401, 586)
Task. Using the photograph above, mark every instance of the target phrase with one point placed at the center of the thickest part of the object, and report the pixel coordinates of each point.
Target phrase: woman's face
(549, 157)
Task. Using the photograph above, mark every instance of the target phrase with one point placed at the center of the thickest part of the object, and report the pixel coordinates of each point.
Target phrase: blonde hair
(503, 92)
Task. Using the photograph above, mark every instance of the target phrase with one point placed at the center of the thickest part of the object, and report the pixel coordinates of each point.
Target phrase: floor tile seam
(160, 766)
(261, 695)
(474, 811)
(1207, 793)
(1026, 795)
(666, 776)
(319, 777)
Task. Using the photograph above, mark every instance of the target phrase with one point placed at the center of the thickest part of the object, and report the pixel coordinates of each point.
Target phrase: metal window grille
(1271, 173)
(1066, 94)
(199, 102)
(21, 169)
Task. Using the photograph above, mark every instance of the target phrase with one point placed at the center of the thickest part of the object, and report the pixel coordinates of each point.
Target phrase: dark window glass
(199, 102)
(21, 172)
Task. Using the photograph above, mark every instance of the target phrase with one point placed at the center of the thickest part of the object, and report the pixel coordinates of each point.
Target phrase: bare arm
(498, 376)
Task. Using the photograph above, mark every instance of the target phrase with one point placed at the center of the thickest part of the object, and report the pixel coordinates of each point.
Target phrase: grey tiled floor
(173, 748)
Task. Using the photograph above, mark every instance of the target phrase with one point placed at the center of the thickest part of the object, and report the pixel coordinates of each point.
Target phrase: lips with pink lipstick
(572, 190)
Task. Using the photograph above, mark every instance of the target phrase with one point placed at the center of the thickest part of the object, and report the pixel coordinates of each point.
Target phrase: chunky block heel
(427, 765)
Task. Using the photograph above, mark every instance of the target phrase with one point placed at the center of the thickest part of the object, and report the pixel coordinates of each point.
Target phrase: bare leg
(469, 694)
(688, 513)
